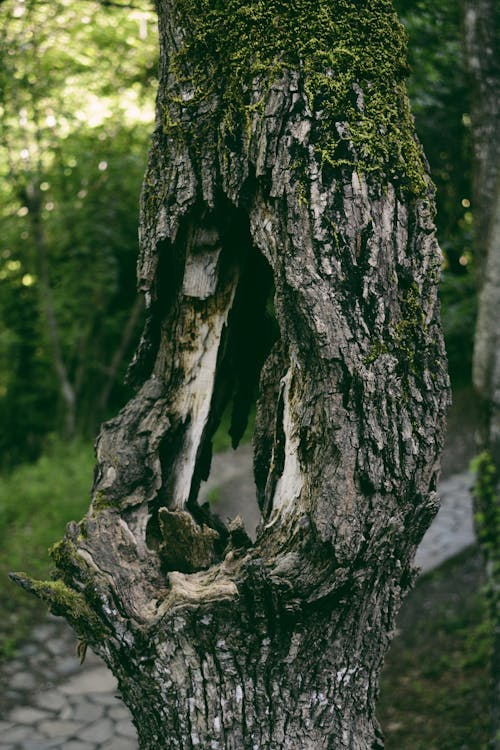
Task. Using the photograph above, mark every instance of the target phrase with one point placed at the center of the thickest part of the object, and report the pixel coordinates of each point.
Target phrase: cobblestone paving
(453, 528)
(49, 701)
(56, 703)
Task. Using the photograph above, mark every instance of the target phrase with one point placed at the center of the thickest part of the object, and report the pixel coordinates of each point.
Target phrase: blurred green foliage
(36, 500)
(458, 312)
(76, 112)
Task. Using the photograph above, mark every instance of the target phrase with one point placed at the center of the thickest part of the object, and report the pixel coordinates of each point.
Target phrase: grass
(36, 503)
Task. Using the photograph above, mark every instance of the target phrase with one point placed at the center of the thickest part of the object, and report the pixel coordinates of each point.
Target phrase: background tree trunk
(482, 42)
(67, 391)
(284, 158)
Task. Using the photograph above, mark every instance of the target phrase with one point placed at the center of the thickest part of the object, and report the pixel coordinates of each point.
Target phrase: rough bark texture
(482, 41)
(281, 158)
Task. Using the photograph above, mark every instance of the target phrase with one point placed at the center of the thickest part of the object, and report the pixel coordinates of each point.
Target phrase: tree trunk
(283, 157)
(67, 391)
(119, 354)
(482, 43)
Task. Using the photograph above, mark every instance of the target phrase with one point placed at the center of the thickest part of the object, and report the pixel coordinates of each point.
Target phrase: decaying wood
(218, 642)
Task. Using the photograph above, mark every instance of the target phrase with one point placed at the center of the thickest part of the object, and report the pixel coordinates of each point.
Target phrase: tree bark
(283, 158)
(482, 45)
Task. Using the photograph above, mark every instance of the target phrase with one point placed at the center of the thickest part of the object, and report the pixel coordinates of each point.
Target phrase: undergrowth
(435, 684)
(36, 502)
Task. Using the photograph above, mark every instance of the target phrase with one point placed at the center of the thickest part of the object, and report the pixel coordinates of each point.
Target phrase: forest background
(77, 90)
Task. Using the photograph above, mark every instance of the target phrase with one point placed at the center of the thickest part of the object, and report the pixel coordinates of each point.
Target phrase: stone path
(58, 704)
(453, 528)
(49, 701)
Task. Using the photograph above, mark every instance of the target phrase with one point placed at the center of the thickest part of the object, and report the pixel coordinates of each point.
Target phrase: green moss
(64, 554)
(408, 331)
(352, 60)
(61, 598)
(404, 338)
(376, 350)
(100, 501)
(303, 199)
(64, 601)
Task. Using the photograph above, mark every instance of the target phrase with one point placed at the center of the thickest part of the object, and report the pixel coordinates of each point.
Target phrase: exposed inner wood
(285, 488)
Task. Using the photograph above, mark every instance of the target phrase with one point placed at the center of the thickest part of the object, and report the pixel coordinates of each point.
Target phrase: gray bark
(219, 642)
(482, 43)
(481, 35)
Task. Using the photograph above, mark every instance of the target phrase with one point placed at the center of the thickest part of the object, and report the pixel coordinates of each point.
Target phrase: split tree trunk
(482, 45)
(283, 158)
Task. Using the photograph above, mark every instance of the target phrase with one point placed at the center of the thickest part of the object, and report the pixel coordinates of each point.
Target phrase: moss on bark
(64, 601)
(352, 60)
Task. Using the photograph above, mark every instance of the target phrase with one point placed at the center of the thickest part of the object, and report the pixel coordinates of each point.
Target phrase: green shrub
(36, 502)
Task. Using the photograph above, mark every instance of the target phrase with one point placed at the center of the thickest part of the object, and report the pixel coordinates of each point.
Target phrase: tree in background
(284, 162)
(71, 162)
(440, 95)
(482, 44)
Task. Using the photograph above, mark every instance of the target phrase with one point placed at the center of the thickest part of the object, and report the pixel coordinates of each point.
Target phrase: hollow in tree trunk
(283, 167)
